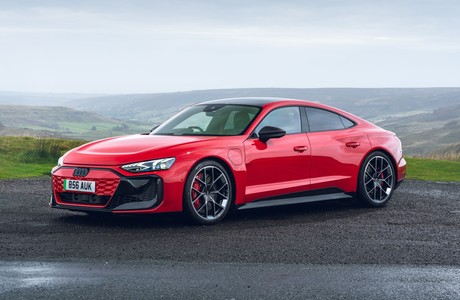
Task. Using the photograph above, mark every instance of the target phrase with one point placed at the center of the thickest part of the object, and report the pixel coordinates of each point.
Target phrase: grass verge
(22, 157)
(432, 169)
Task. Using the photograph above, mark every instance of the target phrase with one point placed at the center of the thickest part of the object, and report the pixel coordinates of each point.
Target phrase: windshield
(209, 119)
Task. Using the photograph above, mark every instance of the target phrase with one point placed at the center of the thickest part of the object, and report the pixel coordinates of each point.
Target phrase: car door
(337, 148)
(280, 165)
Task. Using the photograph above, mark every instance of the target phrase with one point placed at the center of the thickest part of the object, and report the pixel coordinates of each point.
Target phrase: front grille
(137, 190)
(83, 198)
(113, 192)
(104, 187)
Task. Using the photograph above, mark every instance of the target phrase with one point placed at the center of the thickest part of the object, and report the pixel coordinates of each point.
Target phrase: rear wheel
(208, 193)
(376, 180)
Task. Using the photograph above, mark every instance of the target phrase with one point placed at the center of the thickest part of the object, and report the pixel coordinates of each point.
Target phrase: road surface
(409, 249)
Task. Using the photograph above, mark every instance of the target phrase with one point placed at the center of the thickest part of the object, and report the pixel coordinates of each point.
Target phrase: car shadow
(165, 220)
(268, 216)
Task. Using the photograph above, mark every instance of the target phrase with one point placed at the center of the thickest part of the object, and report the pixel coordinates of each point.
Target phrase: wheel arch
(390, 156)
(227, 167)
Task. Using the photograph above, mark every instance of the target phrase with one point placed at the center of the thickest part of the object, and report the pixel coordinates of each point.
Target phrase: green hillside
(428, 134)
(426, 119)
(62, 122)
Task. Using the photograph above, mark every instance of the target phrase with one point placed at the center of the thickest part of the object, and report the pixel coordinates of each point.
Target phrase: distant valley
(426, 119)
(62, 122)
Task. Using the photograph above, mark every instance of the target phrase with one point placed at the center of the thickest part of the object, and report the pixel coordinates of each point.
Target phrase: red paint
(294, 163)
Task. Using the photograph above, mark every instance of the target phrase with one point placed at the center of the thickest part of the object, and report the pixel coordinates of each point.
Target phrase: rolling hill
(369, 103)
(426, 119)
(61, 122)
(428, 134)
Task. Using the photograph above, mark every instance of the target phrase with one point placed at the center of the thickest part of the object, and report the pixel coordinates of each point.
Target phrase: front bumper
(114, 191)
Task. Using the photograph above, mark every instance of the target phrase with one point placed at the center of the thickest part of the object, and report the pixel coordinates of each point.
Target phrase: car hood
(127, 149)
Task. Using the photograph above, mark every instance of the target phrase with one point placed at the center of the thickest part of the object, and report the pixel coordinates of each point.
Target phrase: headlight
(60, 161)
(151, 165)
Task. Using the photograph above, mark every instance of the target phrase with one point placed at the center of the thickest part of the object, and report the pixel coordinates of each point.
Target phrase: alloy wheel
(209, 193)
(378, 179)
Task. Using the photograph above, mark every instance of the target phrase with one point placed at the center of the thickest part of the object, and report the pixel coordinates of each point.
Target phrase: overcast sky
(140, 46)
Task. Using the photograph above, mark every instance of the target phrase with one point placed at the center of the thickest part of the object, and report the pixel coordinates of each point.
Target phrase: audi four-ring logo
(80, 172)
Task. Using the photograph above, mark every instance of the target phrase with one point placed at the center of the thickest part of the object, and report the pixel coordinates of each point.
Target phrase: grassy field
(433, 170)
(22, 157)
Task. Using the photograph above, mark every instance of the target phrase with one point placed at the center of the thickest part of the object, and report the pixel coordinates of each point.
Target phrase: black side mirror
(270, 132)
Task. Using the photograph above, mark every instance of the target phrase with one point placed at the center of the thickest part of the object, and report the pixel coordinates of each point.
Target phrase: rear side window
(323, 120)
(347, 123)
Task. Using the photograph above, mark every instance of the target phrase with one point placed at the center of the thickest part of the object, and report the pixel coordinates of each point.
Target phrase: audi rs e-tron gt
(233, 153)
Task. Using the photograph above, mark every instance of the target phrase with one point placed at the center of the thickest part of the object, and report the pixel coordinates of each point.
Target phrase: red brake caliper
(197, 187)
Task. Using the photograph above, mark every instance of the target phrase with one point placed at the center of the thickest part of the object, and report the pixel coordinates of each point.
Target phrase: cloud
(270, 26)
(90, 40)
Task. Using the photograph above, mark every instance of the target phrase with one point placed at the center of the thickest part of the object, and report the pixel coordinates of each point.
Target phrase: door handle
(300, 148)
(352, 144)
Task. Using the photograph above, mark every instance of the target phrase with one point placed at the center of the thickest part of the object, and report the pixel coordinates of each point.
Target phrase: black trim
(81, 198)
(332, 190)
(252, 101)
(304, 119)
(91, 168)
(132, 193)
(137, 193)
(78, 208)
(298, 198)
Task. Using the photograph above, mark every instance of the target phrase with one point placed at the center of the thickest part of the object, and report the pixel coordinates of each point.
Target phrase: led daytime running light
(151, 165)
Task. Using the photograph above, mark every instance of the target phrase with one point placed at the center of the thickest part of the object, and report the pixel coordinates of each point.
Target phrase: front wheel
(376, 180)
(208, 193)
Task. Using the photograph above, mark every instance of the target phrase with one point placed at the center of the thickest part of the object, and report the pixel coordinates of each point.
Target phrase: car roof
(255, 101)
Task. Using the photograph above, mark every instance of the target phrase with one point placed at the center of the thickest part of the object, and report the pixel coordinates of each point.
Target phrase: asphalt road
(409, 249)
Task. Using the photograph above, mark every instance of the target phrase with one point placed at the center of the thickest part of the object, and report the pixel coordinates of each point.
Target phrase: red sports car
(240, 153)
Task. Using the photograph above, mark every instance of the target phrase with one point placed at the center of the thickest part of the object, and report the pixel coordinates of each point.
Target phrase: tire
(376, 180)
(208, 193)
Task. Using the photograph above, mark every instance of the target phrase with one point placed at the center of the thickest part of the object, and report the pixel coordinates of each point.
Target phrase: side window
(322, 120)
(286, 118)
(347, 123)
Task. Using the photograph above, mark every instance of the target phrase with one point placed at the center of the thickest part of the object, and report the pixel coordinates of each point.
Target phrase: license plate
(80, 185)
